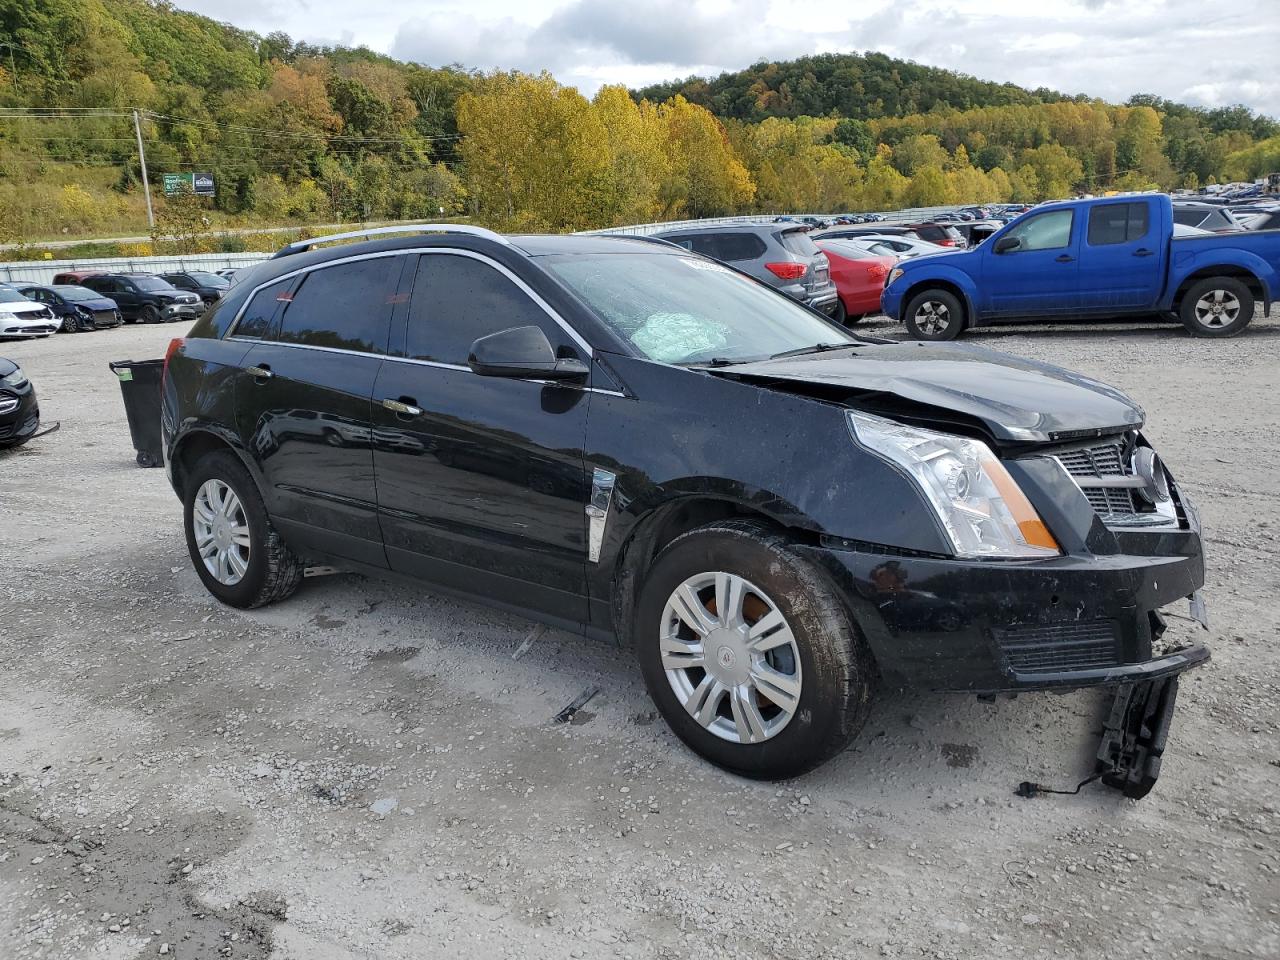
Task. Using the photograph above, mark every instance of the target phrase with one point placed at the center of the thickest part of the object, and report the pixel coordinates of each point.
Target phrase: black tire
(273, 571)
(853, 318)
(1216, 307)
(836, 668)
(149, 314)
(838, 315)
(69, 324)
(940, 304)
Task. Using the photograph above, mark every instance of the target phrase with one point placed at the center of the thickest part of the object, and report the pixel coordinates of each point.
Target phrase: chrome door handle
(259, 373)
(402, 408)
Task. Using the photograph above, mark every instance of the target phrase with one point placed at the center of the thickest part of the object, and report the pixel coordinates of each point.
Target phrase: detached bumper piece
(1134, 736)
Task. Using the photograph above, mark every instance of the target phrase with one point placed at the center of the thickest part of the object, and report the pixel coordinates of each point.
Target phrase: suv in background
(209, 287)
(143, 297)
(640, 444)
(782, 256)
(1205, 216)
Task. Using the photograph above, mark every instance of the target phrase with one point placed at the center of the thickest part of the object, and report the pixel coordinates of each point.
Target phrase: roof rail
(301, 245)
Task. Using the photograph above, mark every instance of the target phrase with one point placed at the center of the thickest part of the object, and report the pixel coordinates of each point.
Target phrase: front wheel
(69, 324)
(1217, 307)
(935, 315)
(748, 652)
(236, 550)
(150, 314)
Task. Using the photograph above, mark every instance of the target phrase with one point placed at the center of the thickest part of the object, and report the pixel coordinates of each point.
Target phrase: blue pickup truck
(1109, 257)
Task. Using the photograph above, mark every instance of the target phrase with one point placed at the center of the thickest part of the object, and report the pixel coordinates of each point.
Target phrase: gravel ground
(365, 771)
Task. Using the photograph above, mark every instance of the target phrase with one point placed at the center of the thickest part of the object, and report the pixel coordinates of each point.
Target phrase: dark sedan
(19, 412)
(77, 308)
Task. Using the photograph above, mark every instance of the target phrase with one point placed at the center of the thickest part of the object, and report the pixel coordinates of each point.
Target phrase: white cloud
(1180, 49)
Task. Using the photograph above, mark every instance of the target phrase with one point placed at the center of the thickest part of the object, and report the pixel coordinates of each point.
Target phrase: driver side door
(1039, 276)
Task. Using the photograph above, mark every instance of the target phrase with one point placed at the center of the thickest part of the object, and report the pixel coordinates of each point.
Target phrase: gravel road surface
(365, 770)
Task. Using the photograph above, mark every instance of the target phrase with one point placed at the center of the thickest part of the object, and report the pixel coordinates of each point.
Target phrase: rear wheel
(838, 315)
(935, 315)
(1217, 307)
(748, 652)
(236, 550)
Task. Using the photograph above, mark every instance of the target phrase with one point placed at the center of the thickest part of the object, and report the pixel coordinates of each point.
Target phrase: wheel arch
(950, 285)
(197, 443)
(662, 524)
(1245, 275)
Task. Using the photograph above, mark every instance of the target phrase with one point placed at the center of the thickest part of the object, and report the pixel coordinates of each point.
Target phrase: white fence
(42, 271)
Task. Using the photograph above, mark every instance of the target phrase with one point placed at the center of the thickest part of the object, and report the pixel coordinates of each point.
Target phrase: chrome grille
(1113, 504)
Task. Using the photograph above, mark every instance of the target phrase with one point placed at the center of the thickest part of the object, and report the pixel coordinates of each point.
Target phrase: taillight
(786, 271)
(946, 242)
(877, 271)
(174, 346)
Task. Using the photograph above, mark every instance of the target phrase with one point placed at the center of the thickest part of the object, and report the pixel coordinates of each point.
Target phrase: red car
(859, 278)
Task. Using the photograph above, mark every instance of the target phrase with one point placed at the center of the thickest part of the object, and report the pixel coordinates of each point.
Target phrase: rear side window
(456, 300)
(730, 246)
(1117, 223)
(257, 316)
(798, 242)
(346, 306)
(1188, 216)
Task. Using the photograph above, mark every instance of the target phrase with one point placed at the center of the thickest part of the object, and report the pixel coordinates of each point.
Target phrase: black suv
(632, 441)
(141, 296)
(209, 287)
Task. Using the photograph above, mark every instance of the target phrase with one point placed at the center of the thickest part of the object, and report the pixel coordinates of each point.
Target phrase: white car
(904, 248)
(23, 317)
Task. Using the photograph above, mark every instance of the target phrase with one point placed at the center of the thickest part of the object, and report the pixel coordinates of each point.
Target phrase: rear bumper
(988, 627)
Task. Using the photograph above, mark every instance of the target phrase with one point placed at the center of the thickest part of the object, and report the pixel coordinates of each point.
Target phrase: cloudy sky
(1200, 52)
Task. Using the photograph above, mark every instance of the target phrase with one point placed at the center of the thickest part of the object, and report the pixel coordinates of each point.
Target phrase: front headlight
(894, 274)
(982, 509)
(15, 379)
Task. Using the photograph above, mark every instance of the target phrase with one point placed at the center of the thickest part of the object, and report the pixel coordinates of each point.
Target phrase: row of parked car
(77, 301)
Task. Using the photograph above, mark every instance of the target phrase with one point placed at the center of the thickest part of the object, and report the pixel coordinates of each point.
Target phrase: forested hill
(859, 86)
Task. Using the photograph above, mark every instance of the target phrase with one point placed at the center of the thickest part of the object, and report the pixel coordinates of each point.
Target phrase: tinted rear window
(346, 306)
(1117, 223)
(257, 316)
(1189, 216)
(798, 242)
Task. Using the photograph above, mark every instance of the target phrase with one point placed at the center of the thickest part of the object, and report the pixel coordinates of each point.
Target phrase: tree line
(298, 133)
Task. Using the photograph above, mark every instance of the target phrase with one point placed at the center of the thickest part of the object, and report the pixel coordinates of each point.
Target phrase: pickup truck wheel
(236, 550)
(1217, 307)
(748, 652)
(934, 315)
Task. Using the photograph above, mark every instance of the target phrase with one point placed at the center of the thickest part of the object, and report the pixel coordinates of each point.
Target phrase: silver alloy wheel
(933, 317)
(1217, 308)
(730, 657)
(222, 532)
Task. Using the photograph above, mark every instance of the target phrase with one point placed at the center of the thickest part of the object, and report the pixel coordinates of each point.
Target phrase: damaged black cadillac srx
(628, 440)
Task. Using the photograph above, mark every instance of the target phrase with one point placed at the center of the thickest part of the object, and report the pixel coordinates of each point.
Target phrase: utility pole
(142, 160)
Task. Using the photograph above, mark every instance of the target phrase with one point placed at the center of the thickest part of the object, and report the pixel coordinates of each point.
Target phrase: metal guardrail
(43, 271)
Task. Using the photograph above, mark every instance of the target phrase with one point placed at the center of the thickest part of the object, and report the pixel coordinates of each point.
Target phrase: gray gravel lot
(365, 771)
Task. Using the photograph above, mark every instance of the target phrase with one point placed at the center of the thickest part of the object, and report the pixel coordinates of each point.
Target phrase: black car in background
(19, 412)
(146, 298)
(208, 286)
(77, 308)
(629, 440)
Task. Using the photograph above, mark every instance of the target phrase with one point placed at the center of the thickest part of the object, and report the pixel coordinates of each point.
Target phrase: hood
(19, 307)
(96, 303)
(1016, 399)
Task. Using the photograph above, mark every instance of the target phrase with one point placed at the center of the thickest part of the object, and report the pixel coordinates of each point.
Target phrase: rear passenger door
(1121, 267)
(481, 482)
(303, 398)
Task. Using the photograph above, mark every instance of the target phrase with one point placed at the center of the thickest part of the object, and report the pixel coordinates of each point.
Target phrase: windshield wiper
(815, 348)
